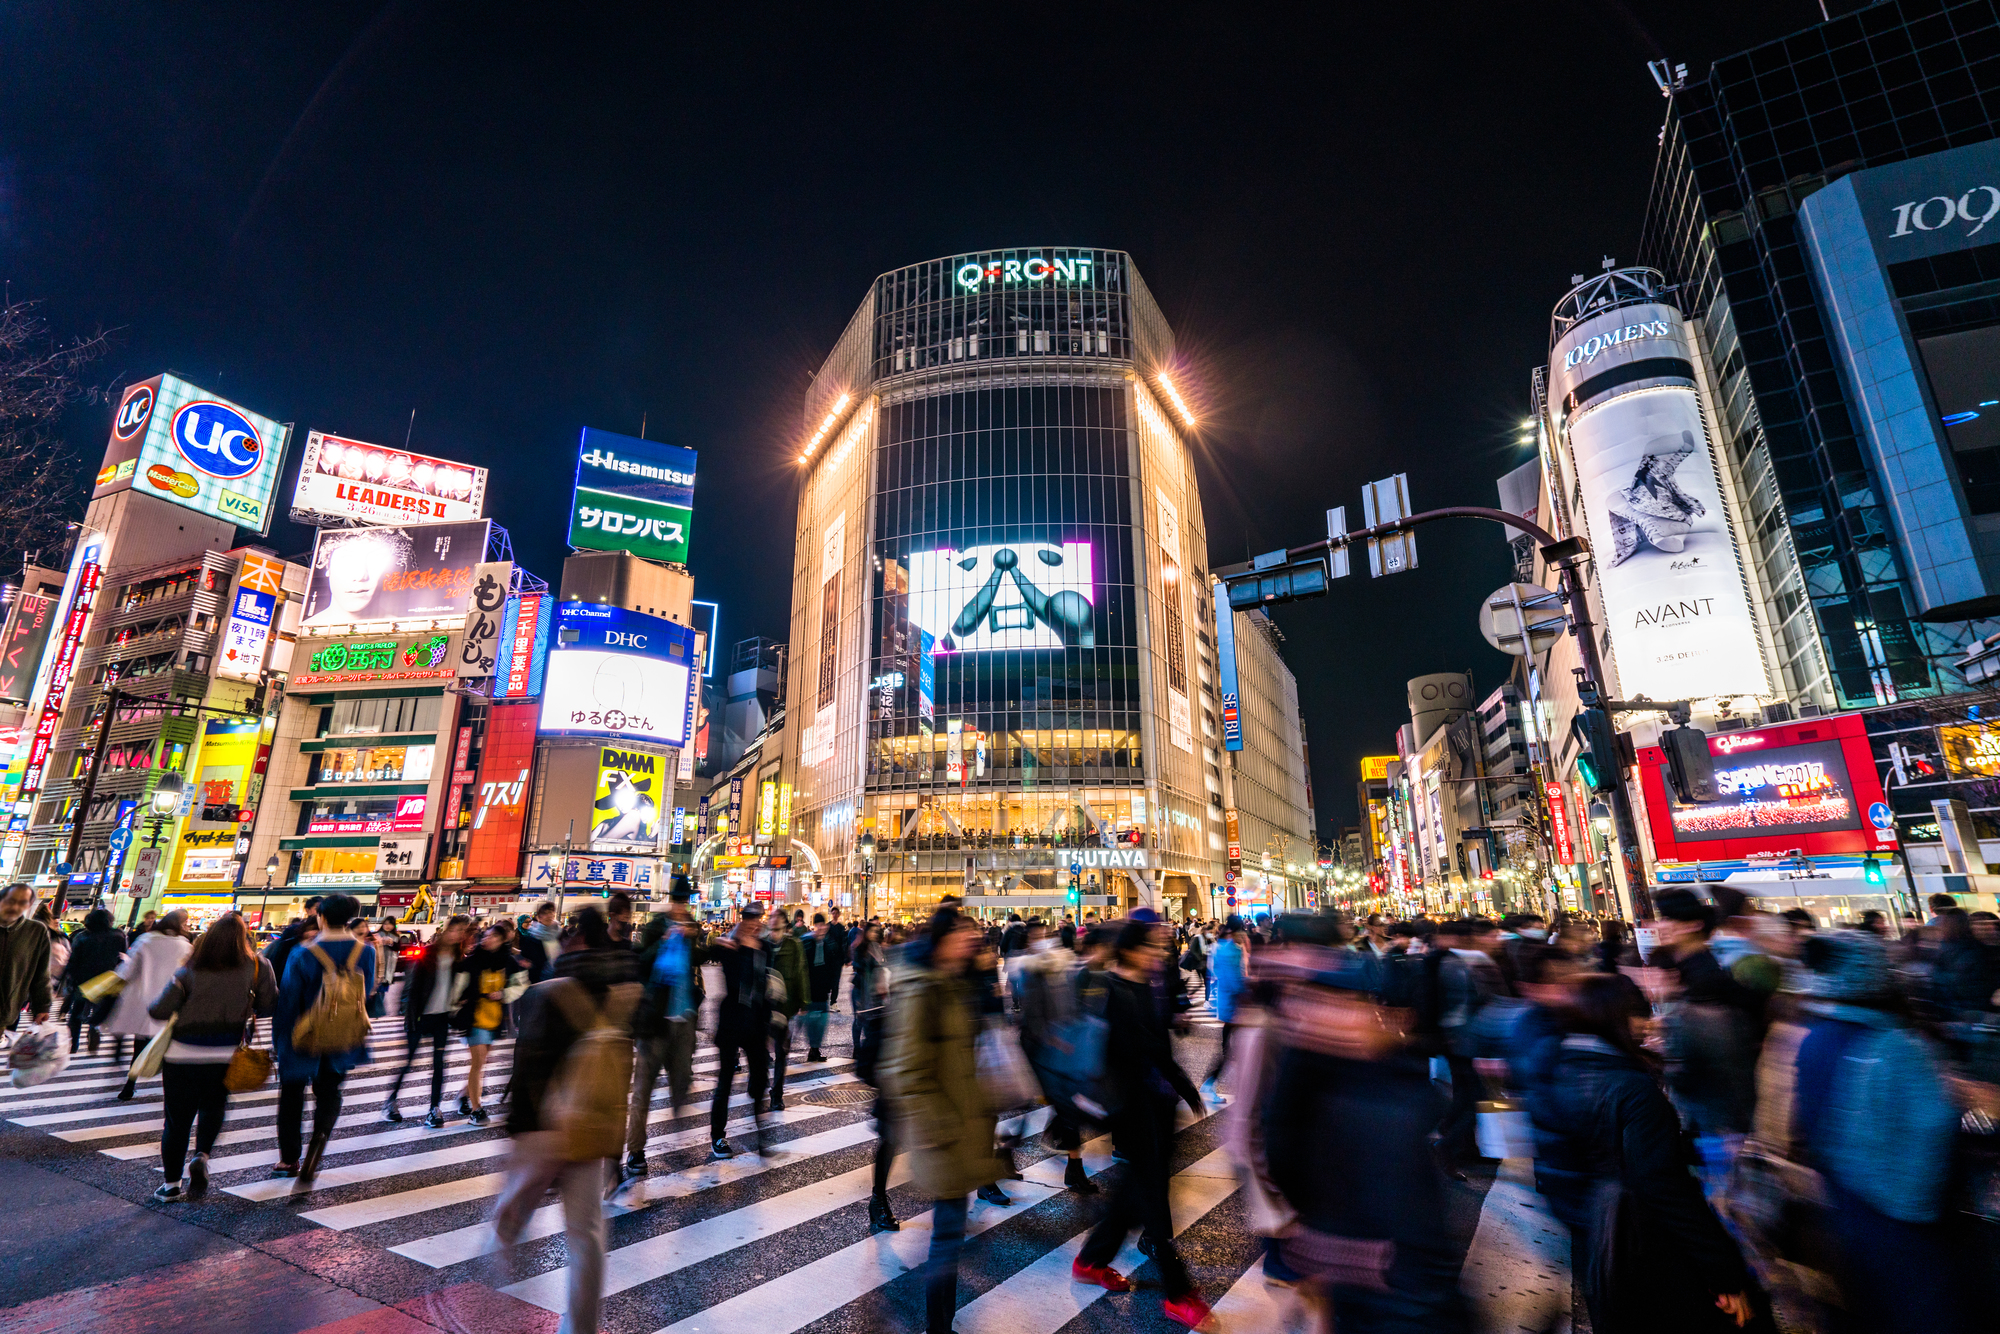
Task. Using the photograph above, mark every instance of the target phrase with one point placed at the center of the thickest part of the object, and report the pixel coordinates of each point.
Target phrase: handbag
(102, 988)
(249, 1068)
(1004, 1076)
(154, 1054)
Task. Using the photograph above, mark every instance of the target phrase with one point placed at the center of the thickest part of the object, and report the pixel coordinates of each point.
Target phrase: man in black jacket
(24, 957)
(94, 951)
(742, 1022)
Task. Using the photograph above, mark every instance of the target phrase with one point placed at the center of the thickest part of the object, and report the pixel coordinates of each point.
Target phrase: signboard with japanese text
(413, 573)
(417, 657)
(524, 646)
(485, 607)
(205, 853)
(401, 856)
(632, 495)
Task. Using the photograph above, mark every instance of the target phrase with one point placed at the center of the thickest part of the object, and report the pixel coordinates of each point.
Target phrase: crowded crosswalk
(768, 1243)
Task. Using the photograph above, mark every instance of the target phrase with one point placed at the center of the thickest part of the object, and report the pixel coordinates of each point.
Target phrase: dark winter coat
(545, 1036)
(92, 953)
(1613, 1165)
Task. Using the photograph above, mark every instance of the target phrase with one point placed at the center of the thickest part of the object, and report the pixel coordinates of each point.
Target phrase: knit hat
(1846, 966)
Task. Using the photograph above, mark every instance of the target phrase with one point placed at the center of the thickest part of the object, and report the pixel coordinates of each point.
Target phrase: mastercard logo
(166, 479)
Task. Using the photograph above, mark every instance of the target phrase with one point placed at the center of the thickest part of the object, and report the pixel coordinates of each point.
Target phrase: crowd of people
(1756, 1120)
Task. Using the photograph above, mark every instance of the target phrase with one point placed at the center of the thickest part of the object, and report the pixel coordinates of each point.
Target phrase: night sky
(519, 223)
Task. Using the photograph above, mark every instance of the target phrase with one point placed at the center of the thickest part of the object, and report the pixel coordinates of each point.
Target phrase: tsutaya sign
(1034, 269)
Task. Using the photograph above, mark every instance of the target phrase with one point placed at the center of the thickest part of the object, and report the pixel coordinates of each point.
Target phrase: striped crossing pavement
(759, 1244)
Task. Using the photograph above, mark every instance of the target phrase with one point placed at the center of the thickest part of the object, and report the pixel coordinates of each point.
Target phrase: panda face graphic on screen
(1005, 595)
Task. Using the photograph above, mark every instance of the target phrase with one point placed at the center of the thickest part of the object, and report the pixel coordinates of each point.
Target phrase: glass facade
(1740, 152)
(997, 620)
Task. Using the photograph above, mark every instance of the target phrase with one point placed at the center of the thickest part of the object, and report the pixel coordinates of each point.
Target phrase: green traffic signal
(1871, 870)
(1587, 771)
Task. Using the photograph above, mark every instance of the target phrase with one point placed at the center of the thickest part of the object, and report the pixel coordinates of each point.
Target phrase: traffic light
(1075, 893)
(1871, 871)
(1690, 768)
(1597, 750)
(1273, 578)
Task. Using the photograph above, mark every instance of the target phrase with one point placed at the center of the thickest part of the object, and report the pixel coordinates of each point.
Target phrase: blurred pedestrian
(566, 1103)
(943, 1122)
(823, 955)
(431, 990)
(149, 965)
(743, 1023)
(1141, 1070)
(663, 1025)
(788, 964)
(1650, 1254)
(870, 996)
(211, 1001)
(318, 1044)
(541, 942)
(24, 959)
(94, 951)
(1229, 968)
(495, 978)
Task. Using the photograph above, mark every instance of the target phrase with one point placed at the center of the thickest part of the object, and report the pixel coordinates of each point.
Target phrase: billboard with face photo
(1027, 594)
(391, 574)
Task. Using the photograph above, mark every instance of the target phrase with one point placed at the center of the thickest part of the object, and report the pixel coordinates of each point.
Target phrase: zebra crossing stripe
(469, 1243)
(1041, 1298)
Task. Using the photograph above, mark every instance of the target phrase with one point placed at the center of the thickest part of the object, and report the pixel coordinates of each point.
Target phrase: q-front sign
(973, 275)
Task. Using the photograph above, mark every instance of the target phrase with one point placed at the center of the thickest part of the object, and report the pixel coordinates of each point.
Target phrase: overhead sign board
(351, 479)
(419, 572)
(630, 785)
(632, 495)
(184, 445)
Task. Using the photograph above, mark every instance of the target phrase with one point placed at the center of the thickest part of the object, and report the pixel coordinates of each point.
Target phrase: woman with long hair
(430, 994)
(496, 978)
(211, 1001)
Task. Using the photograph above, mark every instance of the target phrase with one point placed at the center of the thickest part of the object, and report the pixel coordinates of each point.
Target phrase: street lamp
(270, 874)
(867, 846)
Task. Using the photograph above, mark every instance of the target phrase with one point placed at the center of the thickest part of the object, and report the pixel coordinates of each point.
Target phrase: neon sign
(1727, 743)
(1035, 269)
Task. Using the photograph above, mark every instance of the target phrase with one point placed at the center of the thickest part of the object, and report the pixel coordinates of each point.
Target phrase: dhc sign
(973, 276)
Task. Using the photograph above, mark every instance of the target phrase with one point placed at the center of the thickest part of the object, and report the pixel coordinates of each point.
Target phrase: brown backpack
(338, 1019)
(586, 1101)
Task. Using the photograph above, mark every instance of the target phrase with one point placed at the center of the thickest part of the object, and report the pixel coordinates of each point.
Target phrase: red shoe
(1104, 1276)
(1191, 1311)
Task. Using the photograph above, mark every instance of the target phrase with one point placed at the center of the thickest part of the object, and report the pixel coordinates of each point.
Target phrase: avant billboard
(632, 495)
(614, 672)
(363, 575)
(184, 445)
(1680, 620)
(351, 479)
(1005, 595)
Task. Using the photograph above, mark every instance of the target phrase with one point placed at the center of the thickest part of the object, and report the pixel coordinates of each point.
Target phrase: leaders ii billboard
(1680, 620)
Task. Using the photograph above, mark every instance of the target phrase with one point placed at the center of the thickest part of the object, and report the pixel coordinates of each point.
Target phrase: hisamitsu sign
(632, 495)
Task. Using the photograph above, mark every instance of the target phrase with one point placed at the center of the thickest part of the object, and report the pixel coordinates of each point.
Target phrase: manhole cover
(844, 1095)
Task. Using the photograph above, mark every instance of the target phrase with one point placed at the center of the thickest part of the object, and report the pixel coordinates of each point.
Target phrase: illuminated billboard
(418, 572)
(524, 646)
(630, 784)
(351, 479)
(422, 657)
(500, 809)
(192, 448)
(206, 850)
(632, 495)
(1674, 594)
(1808, 787)
(613, 672)
(1006, 595)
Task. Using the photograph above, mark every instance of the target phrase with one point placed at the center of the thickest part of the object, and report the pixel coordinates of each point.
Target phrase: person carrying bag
(208, 1008)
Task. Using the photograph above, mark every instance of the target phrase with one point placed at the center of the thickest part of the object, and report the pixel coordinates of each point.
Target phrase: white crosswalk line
(151, 1101)
(1041, 1299)
(1252, 1304)
(477, 1241)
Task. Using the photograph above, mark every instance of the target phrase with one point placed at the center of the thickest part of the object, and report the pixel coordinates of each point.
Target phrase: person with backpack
(431, 991)
(320, 1031)
(494, 978)
(670, 948)
(211, 1001)
(566, 1102)
(743, 1023)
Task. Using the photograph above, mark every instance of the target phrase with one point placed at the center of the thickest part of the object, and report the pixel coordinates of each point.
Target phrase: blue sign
(598, 625)
(1225, 661)
(926, 677)
(121, 839)
(217, 439)
(1881, 816)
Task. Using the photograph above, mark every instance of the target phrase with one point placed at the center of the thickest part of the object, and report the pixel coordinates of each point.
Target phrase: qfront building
(1003, 667)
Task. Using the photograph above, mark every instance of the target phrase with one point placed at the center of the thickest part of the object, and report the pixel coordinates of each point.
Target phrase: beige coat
(149, 966)
(932, 1080)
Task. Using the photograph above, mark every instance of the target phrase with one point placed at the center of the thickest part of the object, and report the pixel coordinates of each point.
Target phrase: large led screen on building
(1680, 621)
(1784, 790)
(186, 446)
(613, 672)
(1964, 371)
(632, 495)
(351, 479)
(1005, 595)
(362, 575)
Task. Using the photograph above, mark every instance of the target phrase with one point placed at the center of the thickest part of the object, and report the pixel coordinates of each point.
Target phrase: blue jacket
(1871, 1103)
(1225, 965)
(297, 992)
